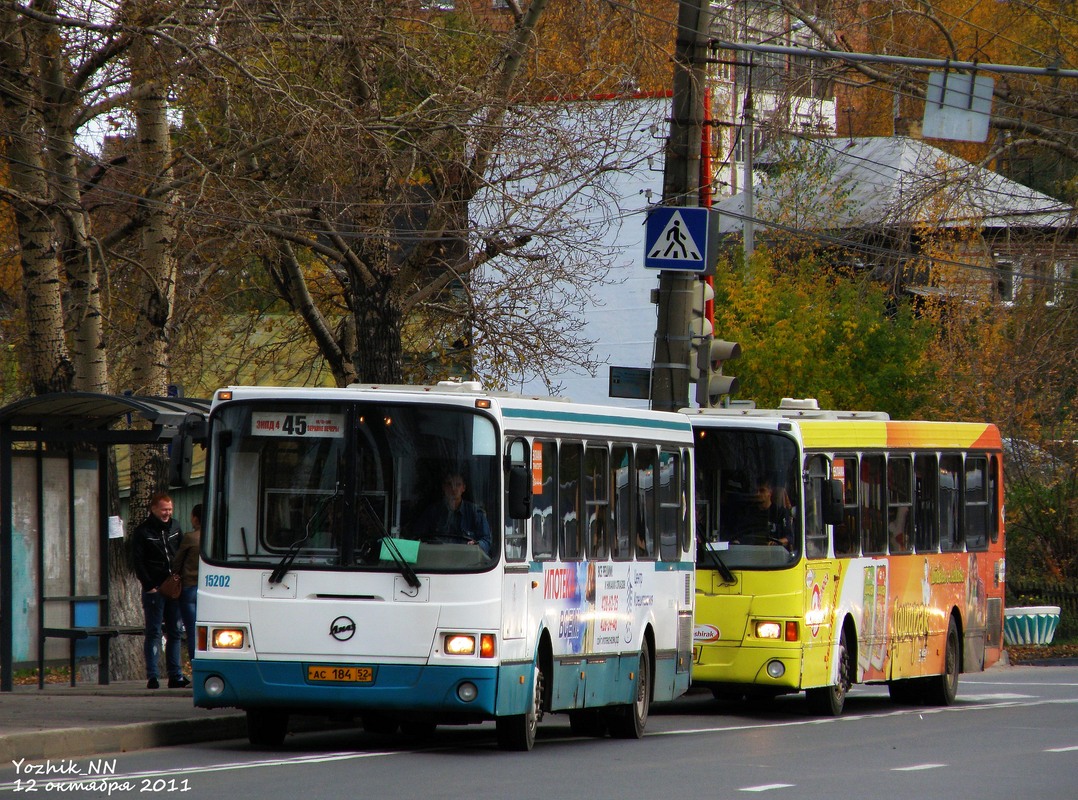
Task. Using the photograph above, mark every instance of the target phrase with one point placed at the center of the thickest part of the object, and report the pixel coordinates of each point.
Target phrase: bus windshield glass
(748, 492)
(351, 486)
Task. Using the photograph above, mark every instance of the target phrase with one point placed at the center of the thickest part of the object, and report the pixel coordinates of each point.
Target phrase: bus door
(516, 586)
(823, 573)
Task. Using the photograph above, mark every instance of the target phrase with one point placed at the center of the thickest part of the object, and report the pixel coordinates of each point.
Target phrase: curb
(74, 742)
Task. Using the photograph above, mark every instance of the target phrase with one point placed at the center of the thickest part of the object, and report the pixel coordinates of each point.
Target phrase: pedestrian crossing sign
(678, 238)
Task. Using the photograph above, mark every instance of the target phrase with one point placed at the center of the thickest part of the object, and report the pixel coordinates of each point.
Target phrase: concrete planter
(1030, 624)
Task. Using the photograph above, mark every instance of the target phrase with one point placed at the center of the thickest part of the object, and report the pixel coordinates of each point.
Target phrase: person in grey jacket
(153, 546)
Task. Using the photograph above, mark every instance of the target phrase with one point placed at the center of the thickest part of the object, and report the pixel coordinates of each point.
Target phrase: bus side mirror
(519, 505)
(190, 432)
(832, 506)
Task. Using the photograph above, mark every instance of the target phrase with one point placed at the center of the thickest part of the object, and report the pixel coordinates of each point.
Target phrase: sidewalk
(61, 721)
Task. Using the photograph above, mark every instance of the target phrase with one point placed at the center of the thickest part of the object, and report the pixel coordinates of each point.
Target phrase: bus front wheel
(828, 701)
(517, 731)
(266, 728)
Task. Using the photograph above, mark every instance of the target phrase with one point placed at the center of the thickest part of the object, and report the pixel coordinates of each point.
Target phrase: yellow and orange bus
(837, 548)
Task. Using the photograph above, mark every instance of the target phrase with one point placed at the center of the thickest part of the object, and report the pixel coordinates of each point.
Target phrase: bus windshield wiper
(727, 576)
(293, 549)
(372, 519)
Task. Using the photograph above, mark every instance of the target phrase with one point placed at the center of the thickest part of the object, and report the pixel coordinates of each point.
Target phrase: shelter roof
(87, 411)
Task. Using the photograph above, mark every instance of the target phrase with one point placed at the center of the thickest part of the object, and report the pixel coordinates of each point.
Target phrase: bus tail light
(791, 631)
(227, 638)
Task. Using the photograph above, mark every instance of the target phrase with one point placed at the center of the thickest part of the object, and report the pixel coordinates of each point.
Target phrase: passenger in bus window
(453, 519)
(766, 519)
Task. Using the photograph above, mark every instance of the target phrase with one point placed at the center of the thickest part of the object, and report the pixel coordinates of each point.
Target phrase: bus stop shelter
(55, 518)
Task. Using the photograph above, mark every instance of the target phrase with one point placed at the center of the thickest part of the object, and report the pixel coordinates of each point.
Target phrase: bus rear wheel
(828, 701)
(941, 690)
(517, 731)
(266, 728)
(628, 721)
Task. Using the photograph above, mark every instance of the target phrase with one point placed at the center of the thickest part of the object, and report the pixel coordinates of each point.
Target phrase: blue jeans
(158, 609)
(187, 611)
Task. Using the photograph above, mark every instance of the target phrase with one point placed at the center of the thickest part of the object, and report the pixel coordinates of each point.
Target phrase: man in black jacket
(154, 543)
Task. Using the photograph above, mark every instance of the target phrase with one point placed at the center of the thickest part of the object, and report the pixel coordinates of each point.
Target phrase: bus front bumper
(740, 664)
(288, 685)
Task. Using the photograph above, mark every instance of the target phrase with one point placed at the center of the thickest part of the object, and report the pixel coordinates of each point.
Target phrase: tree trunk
(378, 351)
(50, 367)
(150, 370)
(72, 224)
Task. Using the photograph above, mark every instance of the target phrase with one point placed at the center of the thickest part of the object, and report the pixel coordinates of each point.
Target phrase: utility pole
(747, 136)
(681, 187)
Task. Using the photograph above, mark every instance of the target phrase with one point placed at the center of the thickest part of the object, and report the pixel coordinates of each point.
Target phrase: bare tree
(402, 178)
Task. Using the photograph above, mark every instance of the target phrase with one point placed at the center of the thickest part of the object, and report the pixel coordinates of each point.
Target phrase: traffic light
(699, 327)
(707, 353)
(711, 384)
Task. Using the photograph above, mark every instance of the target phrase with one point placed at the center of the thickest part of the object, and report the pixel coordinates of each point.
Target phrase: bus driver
(766, 520)
(454, 519)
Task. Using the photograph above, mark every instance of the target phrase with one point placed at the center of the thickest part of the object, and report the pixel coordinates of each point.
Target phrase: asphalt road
(1012, 733)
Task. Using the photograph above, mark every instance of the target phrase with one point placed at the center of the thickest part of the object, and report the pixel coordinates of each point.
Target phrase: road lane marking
(918, 767)
(767, 787)
(976, 682)
(1061, 749)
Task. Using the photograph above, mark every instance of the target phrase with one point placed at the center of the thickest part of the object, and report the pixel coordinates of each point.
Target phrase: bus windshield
(747, 499)
(351, 486)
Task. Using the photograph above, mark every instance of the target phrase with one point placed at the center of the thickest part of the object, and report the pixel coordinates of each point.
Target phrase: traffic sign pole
(681, 188)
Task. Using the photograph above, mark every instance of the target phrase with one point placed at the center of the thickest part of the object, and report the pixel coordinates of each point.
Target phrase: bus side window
(621, 482)
(975, 498)
(847, 535)
(647, 495)
(926, 517)
(950, 503)
(516, 529)
(817, 471)
(900, 503)
(687, 530)
(873, 505)
(570, 529)
(597, 500)
(993, 498)
(670, 506)
(544, 500)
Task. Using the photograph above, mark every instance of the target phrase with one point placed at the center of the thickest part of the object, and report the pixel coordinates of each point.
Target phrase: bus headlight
(464, 644)
(459, 644)
(228, 638)
(768, 630)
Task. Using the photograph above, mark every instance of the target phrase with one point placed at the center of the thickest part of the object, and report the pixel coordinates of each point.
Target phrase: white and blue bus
(416, 556)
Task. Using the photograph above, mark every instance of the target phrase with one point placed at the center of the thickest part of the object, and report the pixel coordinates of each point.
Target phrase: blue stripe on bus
(606, 419)
(283, 684)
